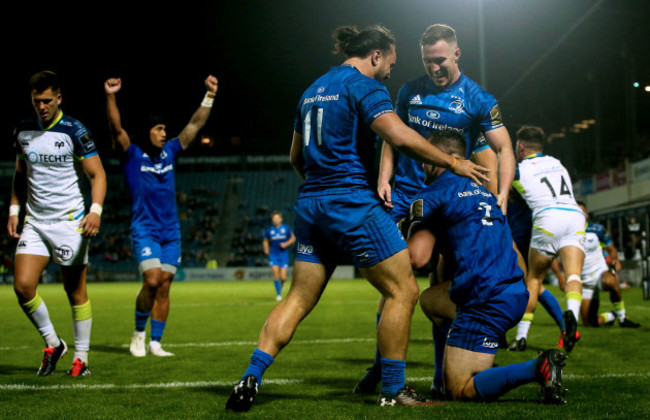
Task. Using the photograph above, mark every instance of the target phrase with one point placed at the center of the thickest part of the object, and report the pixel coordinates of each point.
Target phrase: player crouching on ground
(460, 219)
(596, 275)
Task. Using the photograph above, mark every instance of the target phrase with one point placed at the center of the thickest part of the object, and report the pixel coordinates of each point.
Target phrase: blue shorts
(279, 259)
(482, 328)
(401, 206)
(164, 245)
(330, 228)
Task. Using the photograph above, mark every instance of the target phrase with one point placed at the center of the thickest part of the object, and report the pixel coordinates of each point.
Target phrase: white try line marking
(234, 343)
(199, 384)
(212, 384)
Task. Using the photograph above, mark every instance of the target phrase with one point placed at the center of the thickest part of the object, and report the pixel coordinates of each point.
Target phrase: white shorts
(592, 281)
(556, 229)
(61, 241)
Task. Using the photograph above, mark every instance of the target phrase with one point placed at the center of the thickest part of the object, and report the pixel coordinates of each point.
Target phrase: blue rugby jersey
(277, 235)
(463, 106)
(152, 186)
(334, 117)
(471, 233)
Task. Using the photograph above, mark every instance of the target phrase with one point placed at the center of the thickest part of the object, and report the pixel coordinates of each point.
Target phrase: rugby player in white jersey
(53, 153)
(596, 275)
(558, 227)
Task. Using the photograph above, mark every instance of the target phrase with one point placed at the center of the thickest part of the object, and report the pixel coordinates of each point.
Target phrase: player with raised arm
(487, 296)
(155, 229)
(596, 276)
(338, 212)
(53, 153)
(443, 98)
(277, 240)
(558, 228)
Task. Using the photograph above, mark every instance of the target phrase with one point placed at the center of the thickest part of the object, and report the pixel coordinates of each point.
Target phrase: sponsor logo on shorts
(146, 251)
(490, 344)
(362, 256)
(22, 244)
(65, 252)
(305, 249)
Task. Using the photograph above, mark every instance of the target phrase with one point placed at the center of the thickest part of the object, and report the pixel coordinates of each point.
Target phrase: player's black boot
(51, 356)
(243, 394)
(570, 336)
(518, 345)
(548, 372)
(628, 323)
(368, 384)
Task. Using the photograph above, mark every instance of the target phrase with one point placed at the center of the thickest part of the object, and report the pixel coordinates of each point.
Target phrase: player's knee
(24, 292)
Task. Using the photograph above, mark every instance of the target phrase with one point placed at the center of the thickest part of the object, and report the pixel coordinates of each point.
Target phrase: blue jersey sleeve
(82, 139)
(603, 236)
(372, 99)
(173, 147)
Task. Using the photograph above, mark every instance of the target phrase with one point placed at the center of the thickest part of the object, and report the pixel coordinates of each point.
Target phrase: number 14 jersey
(545, 184)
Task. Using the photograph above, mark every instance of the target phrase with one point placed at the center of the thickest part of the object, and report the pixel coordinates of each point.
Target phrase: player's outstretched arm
(94, 170)
(386, 169)
(499, 140)
(391, 128)
(201, 115)
(18, 191)
(119, 137)
(289, 242)
(295, 156)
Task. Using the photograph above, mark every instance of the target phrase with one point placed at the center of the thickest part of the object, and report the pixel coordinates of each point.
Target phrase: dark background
(549, 62)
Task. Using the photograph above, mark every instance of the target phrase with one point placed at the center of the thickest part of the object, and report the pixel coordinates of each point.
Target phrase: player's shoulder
(472, 92)
(595, 228)
(415, 84)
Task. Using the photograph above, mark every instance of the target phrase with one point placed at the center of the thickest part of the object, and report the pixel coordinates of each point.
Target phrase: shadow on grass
(110, 349)
(12, 370)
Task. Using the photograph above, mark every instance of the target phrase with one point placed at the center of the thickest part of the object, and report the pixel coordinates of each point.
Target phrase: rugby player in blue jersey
(155, 229)
(53, 154)
(443, 98)
(461, 220)
(277, 240)
(338, 213)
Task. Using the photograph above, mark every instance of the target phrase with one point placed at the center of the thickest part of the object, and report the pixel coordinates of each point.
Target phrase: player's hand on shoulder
(471, 170)
(384, 191)
(212, 84)
(90, 225)
(12, 227)
(112, 86)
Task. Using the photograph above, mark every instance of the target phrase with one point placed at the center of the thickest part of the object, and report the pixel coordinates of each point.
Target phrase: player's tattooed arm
(119, 137)
(201, 115)
(386, 169)
(295, 156)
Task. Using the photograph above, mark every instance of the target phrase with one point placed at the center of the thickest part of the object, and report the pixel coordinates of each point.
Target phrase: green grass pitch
(213, 328)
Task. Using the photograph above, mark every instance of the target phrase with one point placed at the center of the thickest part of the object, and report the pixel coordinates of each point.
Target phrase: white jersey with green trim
(545, 184)
(53, 158)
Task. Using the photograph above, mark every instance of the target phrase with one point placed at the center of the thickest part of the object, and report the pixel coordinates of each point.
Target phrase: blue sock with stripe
(157, 329)
(260, 361)
(392, 376)
(141, 319)
(278, 287)
(552, 306)
(492, 383)
(440, 333)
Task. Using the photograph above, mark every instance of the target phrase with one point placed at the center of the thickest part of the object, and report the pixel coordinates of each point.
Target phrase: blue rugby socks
(260, 361)
(392, 376)
(141, 320)
(492, 383)
(553, 307)
(157, 329)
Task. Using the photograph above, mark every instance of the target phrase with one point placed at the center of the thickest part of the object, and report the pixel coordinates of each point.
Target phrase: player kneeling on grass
(53, 154)
(596, 275)
(487, 296)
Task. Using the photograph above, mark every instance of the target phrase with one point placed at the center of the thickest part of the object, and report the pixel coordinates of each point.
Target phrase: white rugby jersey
(53, 158)
(596, 239)
(545, 184)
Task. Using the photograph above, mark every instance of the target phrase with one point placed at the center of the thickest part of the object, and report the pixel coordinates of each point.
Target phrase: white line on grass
(199, 384)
